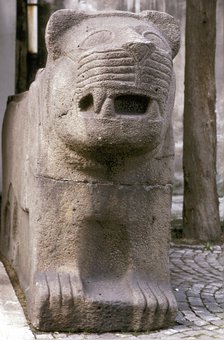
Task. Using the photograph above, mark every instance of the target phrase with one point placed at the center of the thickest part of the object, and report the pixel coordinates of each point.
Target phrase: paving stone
(44, 337)
(199, 322)
(218, 323)
(13, 324)
(197, 302)
(220, 331)
(206, 316)
(211, 327)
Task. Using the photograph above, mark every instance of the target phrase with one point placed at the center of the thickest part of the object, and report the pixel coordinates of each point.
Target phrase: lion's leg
(148, 273)
(55, 288)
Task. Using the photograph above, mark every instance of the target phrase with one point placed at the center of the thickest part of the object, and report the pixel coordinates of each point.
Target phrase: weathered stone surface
(88, 168)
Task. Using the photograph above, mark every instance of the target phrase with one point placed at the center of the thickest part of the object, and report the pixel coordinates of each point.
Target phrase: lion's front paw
(154, 305)
(54, 299)
(166, 310)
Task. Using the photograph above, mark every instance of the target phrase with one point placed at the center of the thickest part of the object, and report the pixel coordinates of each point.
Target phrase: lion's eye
(150, 35)
(155, 39)
(97, 38)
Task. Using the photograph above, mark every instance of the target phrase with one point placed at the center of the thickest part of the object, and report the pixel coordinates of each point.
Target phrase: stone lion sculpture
(88, 165)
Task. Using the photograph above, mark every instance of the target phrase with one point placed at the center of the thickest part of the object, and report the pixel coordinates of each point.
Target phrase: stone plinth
(88, 168)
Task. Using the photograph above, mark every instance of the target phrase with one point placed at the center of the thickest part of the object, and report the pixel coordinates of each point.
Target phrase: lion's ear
(58, 24)
(167, 26)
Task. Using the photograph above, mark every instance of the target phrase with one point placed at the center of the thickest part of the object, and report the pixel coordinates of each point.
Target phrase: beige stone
(88, 170)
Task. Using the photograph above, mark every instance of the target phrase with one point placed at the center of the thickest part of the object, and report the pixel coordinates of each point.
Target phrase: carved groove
(48, 288)
(60, 297)
(144, 297)
(111, 62)
(163, 58)
(155, 64)
(70, 284)
(151, 306)
(162, 306)
(105, 77)
(109, 54)
(107, 69)
(158, 74)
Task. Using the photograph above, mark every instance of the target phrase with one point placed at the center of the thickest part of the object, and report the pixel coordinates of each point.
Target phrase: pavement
(197, 279)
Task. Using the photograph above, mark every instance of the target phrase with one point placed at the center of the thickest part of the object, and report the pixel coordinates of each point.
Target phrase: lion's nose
(139, 49)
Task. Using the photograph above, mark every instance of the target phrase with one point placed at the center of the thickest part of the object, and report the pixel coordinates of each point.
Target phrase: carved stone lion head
(110, 79)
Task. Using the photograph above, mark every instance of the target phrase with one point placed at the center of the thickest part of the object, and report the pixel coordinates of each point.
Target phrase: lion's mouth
(117, 105)
(110, 123)
(131, 104)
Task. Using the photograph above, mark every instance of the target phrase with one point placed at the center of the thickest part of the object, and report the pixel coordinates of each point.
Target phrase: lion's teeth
(99, 98)
(107, 108)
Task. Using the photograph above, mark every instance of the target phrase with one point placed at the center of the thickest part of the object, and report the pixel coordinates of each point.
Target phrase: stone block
(88, 167)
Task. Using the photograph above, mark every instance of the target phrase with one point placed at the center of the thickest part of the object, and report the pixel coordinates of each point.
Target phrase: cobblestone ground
(197, 280)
